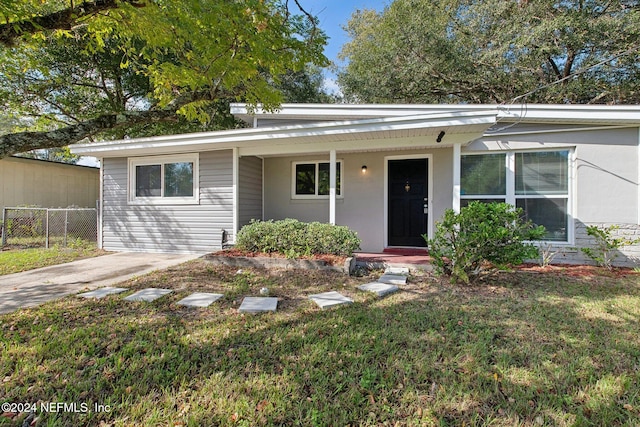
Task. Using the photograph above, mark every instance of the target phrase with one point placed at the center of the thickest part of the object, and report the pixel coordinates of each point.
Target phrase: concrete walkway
(34, 287)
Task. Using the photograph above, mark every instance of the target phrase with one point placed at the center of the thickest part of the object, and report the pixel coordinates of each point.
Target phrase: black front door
(408, 202)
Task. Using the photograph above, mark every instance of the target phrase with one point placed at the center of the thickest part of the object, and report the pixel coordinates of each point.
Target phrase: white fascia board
(571, 114)
(257, 136)
(532, 113)
(349, 111)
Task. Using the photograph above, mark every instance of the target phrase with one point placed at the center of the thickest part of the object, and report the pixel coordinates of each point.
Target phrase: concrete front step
(397, 270)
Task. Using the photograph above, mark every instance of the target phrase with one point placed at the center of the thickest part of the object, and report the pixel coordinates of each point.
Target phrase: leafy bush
(294, 238)
(482, 238)
(607, 247)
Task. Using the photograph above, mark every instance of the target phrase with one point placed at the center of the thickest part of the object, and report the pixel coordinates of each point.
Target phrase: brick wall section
(629, 256)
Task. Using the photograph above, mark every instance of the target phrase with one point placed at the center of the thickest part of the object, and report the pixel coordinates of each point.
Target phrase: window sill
(314, 198)
(163, 202)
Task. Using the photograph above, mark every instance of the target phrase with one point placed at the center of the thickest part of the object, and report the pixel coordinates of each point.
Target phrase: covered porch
(388, 179)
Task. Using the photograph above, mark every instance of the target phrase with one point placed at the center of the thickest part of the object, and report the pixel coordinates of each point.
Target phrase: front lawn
(17, 260)
(529, 349)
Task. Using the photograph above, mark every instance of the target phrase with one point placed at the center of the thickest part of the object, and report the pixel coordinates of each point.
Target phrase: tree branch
(555, 68)
(26, 141)
(61, 20)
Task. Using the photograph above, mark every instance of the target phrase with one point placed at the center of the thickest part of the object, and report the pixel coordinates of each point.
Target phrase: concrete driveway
(35, 287)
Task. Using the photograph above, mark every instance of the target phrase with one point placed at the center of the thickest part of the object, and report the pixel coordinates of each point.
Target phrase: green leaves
(482, 238)
(294, 238)
(493, 51)
(607, 242)
(183, 58)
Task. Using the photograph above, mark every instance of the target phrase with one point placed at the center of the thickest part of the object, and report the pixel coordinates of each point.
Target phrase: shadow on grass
(555, 351)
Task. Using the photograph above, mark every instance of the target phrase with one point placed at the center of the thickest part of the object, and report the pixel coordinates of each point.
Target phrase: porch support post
(332, 187)
(235, 172)
(456, 178)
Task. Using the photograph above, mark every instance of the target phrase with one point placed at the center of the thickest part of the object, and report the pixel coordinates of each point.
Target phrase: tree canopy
(494, 51)
(115, 68)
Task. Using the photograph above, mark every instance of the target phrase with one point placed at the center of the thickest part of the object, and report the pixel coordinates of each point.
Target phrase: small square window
(312, 179)
(483, 175)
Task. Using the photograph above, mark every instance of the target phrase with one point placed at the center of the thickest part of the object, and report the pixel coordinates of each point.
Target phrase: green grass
(17, 260)
(527, 349)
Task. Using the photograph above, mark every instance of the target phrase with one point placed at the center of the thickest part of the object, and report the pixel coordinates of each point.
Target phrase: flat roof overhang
(509, 113)
(388, 133)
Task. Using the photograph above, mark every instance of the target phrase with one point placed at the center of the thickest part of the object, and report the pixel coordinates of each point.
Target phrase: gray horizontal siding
(169, 228)
(250, 184)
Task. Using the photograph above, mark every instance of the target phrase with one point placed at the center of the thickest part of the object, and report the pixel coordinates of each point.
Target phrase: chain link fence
(42, 227)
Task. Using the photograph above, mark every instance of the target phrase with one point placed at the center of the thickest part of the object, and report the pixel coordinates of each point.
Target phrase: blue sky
(333, 15)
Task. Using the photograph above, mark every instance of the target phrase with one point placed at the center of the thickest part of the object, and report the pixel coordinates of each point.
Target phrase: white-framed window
(539, 182)
(164, 179)
(310, 180)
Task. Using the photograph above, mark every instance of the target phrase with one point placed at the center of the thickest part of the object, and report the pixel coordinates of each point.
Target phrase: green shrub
(482, 238)
(607, 247)
(294, 238)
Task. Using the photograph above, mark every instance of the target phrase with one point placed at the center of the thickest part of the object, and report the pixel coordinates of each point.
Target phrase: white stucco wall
(362, 205)
(606, 173)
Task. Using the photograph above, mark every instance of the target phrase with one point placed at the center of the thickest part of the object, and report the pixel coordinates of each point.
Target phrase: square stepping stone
(330, 299)
(148, 295)
(200, 299)
(258, 304)
(393, 279)
(380, 289)
(102, 292)
(397, 270)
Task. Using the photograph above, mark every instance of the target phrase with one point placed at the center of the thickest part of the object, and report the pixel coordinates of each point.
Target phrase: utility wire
(523, 105)
(577, 73)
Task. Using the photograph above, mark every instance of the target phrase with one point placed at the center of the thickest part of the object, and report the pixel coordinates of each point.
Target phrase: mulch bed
(329, 259)
(578, 270)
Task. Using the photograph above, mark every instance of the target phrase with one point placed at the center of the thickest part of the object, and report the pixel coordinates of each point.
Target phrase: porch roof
(397, 132)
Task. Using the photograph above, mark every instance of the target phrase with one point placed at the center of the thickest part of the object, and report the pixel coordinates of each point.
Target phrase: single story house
(387, 171)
